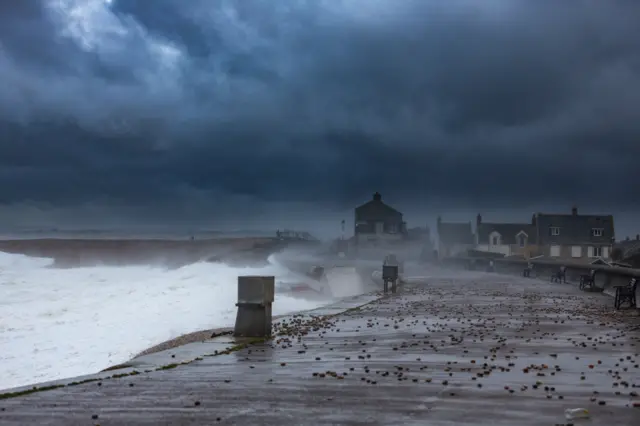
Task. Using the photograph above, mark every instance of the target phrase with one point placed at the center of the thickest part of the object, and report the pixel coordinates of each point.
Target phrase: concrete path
(453, 349)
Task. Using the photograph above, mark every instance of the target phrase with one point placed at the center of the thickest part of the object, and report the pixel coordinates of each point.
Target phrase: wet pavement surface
(461, 349)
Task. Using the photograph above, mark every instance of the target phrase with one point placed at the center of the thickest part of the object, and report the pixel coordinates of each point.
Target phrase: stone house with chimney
(378, 223)
(454, 238)
(574, 236)
(509, 239)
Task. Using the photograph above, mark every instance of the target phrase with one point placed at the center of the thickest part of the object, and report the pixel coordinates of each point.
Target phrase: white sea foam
(59, 323)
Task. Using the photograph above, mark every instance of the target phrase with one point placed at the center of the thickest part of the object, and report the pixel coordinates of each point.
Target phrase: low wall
(605, 276)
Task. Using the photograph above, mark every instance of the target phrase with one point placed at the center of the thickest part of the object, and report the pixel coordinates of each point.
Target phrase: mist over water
(59, 323)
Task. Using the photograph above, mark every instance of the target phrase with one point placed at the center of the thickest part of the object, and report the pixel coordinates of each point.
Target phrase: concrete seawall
(452, 348)
(606, 277)
(216, 342)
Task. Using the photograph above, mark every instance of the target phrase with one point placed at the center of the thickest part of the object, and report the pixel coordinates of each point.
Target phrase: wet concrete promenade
(453, 349)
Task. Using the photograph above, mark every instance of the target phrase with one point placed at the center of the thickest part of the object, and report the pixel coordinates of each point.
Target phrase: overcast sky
(203, 111)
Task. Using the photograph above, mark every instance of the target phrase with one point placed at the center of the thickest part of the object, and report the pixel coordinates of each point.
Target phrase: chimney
(638, 237)
(533, 219)
(377, 197)
(574, 210)
(478, 219)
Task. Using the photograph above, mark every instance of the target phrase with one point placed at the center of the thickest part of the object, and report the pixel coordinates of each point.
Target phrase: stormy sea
(76, 305)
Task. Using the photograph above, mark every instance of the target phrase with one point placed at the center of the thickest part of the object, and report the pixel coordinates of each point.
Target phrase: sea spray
(59, 323)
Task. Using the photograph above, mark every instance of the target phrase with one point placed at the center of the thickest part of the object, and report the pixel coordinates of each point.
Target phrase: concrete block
(256, 289)
(255, 299)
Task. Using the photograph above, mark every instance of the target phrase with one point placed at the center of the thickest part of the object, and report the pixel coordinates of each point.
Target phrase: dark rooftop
(376, 210)
(575, 228)
(507, 231)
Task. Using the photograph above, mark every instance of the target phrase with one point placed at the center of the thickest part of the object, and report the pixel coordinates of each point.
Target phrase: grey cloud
(321, 101)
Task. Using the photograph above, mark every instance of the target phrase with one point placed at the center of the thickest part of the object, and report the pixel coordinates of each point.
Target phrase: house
(510, 239)
(377, 222)
(454, 238)
(574, 236)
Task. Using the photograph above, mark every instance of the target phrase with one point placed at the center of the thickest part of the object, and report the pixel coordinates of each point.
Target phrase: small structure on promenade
(390, 277)
(255, 298)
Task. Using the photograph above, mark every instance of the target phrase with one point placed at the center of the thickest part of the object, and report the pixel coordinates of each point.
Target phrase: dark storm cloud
(151, 102)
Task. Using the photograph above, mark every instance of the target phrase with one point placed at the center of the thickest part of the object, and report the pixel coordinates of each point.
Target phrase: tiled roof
(507, 231)
(574, 229)
(376, 210)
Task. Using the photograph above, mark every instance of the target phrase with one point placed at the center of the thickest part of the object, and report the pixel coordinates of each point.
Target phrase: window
(554, 231)
(393, 228)
(522, 240)
(554, 251)
(597, 252)
(576, 251)
(597, 232)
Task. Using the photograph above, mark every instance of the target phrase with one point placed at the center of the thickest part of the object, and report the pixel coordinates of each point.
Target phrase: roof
(574, 228)
(376, 210)
(455, 233)
(507, 231)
